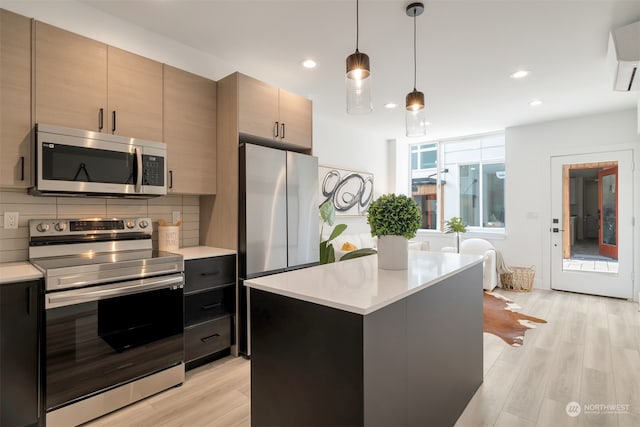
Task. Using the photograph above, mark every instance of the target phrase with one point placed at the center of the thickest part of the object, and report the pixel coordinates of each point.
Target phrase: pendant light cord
(415, 60)
(357, 23)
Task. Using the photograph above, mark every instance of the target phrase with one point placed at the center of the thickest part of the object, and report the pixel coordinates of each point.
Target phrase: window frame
(441, 189)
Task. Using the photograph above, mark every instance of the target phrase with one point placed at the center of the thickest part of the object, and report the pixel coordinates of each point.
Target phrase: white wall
(528, 158)
(348, 146)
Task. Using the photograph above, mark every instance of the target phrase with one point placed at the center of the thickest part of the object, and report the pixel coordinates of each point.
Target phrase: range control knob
(131, 224)
(61, 226)
(143, 224)
(42, 227)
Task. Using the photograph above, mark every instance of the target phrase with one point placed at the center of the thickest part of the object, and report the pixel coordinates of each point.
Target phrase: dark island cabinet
(19, 349)
(209, 308)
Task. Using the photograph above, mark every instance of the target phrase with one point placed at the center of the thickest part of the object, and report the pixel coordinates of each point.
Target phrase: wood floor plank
(597, 349)
(565, 373)
(626, 376)
(527, 393)
(597, 388)
(554, 413)
(621, 332)
(509, 420)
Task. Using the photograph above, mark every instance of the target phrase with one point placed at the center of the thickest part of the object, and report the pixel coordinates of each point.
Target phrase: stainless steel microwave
(77, 162)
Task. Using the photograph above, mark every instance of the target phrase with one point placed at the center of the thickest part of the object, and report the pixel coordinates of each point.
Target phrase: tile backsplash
(14, 242)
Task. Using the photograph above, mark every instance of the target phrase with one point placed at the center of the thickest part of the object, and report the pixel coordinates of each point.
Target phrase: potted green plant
(394, 219)
(455, 225)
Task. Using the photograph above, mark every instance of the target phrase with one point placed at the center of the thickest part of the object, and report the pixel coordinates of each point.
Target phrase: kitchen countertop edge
(198, 252)
(20, 271)
(267, 283)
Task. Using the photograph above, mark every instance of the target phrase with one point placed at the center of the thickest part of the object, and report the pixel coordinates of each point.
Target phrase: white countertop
(195, 252)
(358, 286)
(18, 272)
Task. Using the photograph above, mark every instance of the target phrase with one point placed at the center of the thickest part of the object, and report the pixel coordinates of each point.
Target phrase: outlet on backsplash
(175, 217)
(11, 219)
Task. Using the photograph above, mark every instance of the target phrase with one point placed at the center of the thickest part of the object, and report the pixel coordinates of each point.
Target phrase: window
(460, 177)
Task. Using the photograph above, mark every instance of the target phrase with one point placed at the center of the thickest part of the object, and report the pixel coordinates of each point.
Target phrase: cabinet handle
(113, 121)
(210, 273)
(282, 136)
(276, 128)
(29, 301)
(210, 306)
(21, 168)
(209, 338)
(170, 179)
(101, 119)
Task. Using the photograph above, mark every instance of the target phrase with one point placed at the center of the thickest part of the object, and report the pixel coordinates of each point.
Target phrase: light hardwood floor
(588, 352)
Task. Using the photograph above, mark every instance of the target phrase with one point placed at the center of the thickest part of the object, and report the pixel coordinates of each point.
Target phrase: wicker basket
(520, 280)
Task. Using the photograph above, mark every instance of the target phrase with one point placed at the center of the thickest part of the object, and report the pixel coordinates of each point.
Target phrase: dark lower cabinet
(209, 308)
(19, 349)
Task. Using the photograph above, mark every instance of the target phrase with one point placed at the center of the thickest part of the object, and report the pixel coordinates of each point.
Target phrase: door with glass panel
(591, 223)
(608, 212)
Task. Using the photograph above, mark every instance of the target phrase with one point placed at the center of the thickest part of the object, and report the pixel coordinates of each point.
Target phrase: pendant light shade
(358, 78)
(416, 112)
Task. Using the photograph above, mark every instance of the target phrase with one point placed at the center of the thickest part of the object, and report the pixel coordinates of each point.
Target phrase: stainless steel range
(113, 315)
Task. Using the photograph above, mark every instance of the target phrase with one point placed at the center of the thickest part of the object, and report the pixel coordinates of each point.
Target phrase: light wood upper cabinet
(70, 78)
(190, 132)
(272, 113)
(15, 100)
(295, 114)
(258, 107)
(134, 92)
(76, 78)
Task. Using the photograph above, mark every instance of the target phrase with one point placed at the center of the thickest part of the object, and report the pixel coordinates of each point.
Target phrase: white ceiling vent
(624, 55)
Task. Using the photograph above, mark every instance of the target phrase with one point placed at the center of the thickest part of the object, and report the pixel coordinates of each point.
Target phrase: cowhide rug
(501, 319)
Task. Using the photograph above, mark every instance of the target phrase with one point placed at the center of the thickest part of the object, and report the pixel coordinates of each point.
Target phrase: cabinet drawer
(208, 272)
(207, 305)
(207, 338)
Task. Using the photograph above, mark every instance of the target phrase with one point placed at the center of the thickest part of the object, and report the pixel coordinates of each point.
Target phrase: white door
(572, 270)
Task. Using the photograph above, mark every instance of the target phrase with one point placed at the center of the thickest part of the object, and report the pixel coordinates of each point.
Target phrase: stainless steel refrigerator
(279, 227)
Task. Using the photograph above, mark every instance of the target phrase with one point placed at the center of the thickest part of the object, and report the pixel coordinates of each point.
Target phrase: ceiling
(466, 51)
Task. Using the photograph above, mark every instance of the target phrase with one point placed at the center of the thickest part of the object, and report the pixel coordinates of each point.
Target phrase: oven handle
(95, 293)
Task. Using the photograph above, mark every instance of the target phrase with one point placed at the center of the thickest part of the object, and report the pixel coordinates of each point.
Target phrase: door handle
(113, 121)
(100, 119)
(276, 129)
(282, 136)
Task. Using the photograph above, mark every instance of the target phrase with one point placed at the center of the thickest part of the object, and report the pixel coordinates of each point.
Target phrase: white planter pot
(393, 253)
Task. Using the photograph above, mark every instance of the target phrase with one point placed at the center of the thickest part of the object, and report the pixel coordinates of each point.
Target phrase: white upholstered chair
(486, 250)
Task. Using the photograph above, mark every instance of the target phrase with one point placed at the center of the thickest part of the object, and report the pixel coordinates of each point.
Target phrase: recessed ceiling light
(390, 105)
(535, 102)
(519, 74)
(309, 63)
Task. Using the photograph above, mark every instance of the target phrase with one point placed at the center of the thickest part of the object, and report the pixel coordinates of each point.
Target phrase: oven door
(104, 336)
(79, 162)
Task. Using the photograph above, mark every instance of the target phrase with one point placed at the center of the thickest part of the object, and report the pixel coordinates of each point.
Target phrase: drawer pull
(211, 273)
(210, 306)
(209, 338)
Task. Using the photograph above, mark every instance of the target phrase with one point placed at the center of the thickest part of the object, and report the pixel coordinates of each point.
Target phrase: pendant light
(358, 77)
(416, 113)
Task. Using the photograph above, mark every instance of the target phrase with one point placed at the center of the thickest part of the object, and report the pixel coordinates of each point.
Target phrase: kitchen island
(351, 345)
